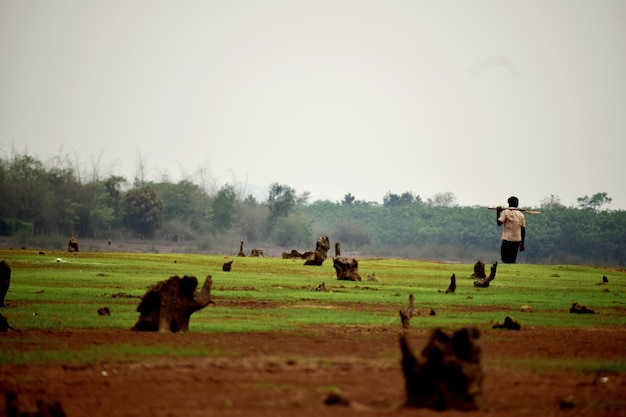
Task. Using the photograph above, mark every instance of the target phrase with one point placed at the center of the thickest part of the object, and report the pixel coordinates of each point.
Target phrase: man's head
(513, 201)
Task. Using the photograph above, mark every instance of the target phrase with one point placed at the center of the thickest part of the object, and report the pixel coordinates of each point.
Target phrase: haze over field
(480, 98)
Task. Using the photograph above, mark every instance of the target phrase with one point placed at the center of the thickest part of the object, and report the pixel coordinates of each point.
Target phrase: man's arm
(498, 212)
(521, 246)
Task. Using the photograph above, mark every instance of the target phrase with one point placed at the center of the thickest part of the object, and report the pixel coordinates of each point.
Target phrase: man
(513, 225)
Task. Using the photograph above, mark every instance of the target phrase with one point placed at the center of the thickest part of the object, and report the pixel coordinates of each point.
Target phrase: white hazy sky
(480, 98)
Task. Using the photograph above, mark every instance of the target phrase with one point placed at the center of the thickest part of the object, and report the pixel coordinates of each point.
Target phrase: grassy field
(60, 290)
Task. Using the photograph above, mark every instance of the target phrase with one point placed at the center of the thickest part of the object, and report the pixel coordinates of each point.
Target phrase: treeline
(57, 202)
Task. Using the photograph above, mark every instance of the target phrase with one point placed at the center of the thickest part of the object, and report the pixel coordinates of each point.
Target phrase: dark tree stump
(407, 314)
(318, 257)
(509, 323)
(337, 250)
(241, 253)
(452, 287)
(5, 281)
(484, 282)
(580, 309)
(347, 269)
(257, 253)
(447, 375)
(294, 254)
(227, 266)
(72, 245)
(44, 408)
(4, 324)
(168, 305)
(104, 311)
(479, 270)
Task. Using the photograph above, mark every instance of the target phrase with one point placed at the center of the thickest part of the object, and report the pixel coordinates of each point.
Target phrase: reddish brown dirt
(288, 374)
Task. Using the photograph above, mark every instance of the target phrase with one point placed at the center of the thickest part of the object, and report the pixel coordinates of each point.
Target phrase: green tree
(348, 199)
(292, 231)
(105, 211)
(224, 209)
(143, 210)
(405, 198)
(280, 202)
(594, 202)
(25, 188)
(185, 204)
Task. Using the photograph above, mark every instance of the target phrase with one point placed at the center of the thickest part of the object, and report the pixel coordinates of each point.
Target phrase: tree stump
(227, 266)
(4, 324)
(72, 245)
(452, 287)
(479, 270)
(168, 305)
(347, 269)
(257, 253)
(318, 257)
(406, 315)
(5, 281)
(580, 309)
(241, 253)
(294, 254)
(44, 408)
(447, 375)
(484, 282)
(509, 323)
(337, 250)
(104, 311)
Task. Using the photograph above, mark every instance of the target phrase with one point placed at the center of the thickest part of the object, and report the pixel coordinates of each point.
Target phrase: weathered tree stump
(452, 287)
(347, 269)
(407, 314)
(5, 281)
(257, 253)
(241, 253)
(168, 305)
(294, 254)
(580, 309)
(448, 375)
(484, 282)
(318, 256)
(72, 245)
(227, 266)
(337, 250)
(104, 311)
(509, 323)
(4, 324)
(479, 270)
(44, 408)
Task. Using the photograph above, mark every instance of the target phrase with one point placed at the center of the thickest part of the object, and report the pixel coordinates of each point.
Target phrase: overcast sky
(484, 99)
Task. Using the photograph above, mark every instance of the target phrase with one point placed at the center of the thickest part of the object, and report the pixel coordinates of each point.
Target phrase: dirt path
(288, 374)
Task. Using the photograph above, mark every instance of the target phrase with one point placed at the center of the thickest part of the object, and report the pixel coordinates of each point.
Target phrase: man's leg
(508, 250)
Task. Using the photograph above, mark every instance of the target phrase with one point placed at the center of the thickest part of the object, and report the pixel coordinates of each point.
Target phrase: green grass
(60, 290)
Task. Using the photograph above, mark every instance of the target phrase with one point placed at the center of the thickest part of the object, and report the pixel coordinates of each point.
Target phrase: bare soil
(291, 373)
